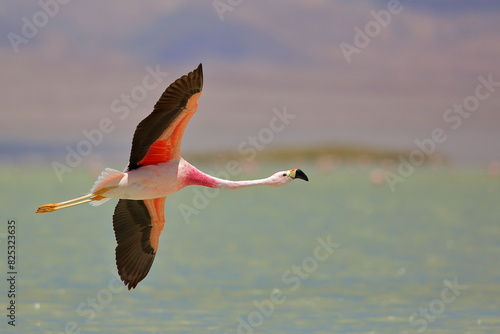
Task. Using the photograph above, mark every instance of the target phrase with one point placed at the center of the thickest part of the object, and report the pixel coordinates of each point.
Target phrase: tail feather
(109, 178)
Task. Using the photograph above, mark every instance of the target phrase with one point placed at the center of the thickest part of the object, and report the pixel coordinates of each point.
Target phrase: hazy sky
(379, 73)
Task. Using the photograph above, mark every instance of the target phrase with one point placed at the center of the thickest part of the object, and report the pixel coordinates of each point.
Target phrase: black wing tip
(193, 81)
(198, 73)
(133, 254)
(131, 277)
(130, 284)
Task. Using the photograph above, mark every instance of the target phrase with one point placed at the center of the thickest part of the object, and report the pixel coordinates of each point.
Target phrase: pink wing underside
(156, 212)
(167, 147)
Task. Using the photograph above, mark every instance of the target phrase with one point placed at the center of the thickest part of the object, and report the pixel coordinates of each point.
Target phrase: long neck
(196, 177)
(228, 184)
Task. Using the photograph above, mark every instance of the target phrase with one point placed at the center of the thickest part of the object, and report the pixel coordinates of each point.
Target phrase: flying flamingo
(156, 170)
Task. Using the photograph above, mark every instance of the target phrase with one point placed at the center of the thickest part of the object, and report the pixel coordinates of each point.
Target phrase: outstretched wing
(138, 225)
(158, 137)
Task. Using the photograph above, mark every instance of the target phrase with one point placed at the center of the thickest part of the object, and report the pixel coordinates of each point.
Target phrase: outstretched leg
(50, 207)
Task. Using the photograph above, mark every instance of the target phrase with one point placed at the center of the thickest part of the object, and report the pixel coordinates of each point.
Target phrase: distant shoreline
(344, 153)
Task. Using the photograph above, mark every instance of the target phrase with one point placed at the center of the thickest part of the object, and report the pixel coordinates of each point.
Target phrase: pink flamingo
(156, 170)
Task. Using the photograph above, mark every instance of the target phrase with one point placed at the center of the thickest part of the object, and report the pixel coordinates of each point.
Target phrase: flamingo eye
(284, 174)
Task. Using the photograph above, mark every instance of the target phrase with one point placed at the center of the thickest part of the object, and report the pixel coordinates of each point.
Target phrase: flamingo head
(284, 177)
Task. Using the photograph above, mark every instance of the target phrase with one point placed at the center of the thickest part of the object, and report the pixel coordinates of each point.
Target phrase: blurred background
(346, 90)
(61, 75)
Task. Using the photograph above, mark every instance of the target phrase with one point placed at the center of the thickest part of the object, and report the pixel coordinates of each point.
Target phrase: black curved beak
(299, 174)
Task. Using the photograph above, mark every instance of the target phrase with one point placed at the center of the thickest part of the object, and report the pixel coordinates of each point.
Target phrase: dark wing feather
(171, 104)
(134, 253)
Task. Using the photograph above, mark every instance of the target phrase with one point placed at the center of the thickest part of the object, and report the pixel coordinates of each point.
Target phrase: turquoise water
(425, 258)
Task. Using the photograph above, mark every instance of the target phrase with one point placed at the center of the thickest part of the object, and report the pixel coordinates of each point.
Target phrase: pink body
(156, 170)
(154, 181)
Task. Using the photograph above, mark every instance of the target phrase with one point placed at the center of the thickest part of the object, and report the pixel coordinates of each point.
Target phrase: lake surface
(334, 255)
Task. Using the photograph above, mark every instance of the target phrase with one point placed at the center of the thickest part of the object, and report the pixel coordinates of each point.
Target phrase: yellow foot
(49, 207)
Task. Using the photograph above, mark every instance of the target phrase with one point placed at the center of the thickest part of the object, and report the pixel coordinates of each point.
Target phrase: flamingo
(156, 170)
